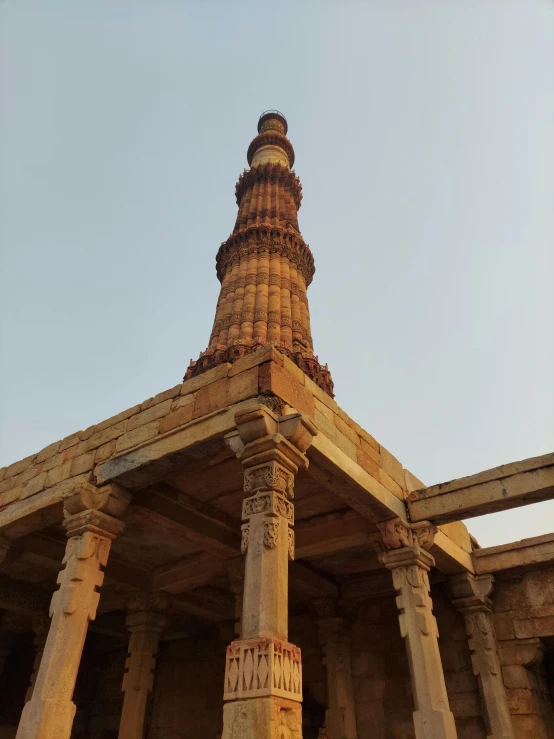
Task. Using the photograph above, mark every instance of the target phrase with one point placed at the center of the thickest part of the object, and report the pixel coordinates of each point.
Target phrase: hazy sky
(423, 138)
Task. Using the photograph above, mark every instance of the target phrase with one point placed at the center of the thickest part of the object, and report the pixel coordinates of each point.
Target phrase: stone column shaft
(470, 598)
(340, 717)
(409, 565)
(263, 674)
(50, 711)
(146, 628)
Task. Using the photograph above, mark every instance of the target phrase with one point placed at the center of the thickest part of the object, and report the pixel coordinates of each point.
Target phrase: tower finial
(265, 265)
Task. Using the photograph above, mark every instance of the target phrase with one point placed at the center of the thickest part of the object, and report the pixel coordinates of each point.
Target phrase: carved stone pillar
(471, 599)
(263, 674)
(41, 626)
(91, 523)
(146, 621)
(340, 717)
(406, 557)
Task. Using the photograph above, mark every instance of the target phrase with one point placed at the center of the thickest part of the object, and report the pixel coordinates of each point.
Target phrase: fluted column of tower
(265, 266)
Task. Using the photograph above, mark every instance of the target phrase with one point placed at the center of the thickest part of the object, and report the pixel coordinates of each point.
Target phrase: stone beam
(205, 602)
(153, 461)
(449, 557)
(22, 598)
(337, 472)
(188, 572)
(538, 550)
(507, 486)
(311, 582)
(202, 523)
(331, 533)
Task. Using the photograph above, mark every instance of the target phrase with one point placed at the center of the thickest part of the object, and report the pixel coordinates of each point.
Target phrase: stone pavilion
(237, 558)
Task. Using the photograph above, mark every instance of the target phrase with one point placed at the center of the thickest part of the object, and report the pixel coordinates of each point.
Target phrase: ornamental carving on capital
(271, 533)
(158, 602)
(271, 476)
(270, 502)
(396, 534)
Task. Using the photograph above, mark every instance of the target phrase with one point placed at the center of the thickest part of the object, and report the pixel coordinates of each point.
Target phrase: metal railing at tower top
(270, 113)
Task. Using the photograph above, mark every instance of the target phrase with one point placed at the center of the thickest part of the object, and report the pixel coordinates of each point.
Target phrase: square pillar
(263, 673)
(406, 557)
(50, 712)
(471, 600)
(340, 717)
(146, 621)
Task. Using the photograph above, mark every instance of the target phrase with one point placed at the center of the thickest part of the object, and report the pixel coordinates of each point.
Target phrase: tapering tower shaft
(265, 266)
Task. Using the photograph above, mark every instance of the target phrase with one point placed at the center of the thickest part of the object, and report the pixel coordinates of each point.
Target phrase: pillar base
(46, 720)
(262, 718)
(434, 725)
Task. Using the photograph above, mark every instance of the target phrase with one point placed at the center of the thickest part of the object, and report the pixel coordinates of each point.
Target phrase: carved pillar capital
(471, 592)
(110, 499)
(159, 602)
(397, 534)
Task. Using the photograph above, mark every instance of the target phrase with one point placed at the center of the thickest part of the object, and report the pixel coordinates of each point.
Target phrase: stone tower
(265, 266)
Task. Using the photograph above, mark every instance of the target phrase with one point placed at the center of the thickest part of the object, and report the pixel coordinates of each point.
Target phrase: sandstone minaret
(265, 266)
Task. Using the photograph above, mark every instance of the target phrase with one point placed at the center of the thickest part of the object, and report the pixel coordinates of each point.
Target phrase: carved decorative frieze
(269, 502)
(263, 667)
(269, 476)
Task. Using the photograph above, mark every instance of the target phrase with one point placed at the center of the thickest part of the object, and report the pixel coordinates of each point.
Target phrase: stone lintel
(538, 550)
(336, 471)
(500, 488)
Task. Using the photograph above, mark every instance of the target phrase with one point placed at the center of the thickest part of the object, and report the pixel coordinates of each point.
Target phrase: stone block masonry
(267, 374)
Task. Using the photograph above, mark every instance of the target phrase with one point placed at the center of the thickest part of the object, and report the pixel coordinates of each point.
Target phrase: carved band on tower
(265, 266)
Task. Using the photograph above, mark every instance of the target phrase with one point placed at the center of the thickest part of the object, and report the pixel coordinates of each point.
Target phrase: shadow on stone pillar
(334, 636)
(471, 600)
(405, 555)
(146, 620)
(91, 523)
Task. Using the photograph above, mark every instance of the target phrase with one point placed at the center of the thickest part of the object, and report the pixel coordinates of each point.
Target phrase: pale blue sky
(423, 137)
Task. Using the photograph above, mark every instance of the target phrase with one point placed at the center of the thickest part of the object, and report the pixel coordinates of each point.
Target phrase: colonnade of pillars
(263, 675)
